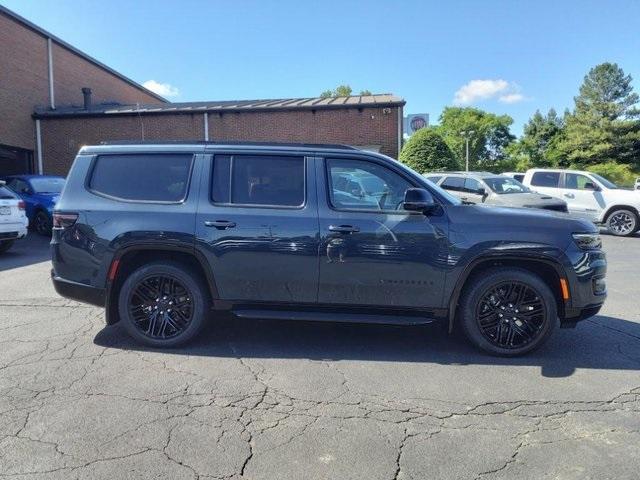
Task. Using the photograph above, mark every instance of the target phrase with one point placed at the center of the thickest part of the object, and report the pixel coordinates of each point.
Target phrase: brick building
(54, 99)
(39, 69)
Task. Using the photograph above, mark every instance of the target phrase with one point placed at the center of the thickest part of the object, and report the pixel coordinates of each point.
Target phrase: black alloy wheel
(161, 306)
(510, 315)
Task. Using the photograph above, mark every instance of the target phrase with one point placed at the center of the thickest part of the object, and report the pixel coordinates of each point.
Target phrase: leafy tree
(620, 174)
(605, 124)
(365, 92)
(488, 142)
(340, 91)
(426, 151)
(539, 141)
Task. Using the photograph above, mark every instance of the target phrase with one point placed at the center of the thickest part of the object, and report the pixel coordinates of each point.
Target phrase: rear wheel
(508, 311)
(6, 245)
(42, 224)
(623, 222)
(162, 304)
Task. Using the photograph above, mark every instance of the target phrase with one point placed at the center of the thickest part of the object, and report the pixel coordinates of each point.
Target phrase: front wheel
(6, 245)
(162, 304)
(623, 223)
(508, 311)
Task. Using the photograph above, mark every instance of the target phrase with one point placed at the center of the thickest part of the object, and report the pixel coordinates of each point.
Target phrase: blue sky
(508, 57)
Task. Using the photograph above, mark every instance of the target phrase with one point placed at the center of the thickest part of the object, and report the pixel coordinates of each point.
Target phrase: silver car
(492, 189)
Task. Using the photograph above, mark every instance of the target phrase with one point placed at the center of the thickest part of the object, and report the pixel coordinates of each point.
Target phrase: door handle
(219, 224)
(343, 228)
(569, 195)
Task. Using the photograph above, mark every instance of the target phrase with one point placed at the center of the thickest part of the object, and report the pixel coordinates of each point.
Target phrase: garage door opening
(15, 161)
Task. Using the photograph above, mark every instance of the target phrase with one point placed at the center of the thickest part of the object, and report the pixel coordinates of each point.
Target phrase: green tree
(605, 124)
(539, 141)
(426, 151)
(487, 144)
(340, 91)
(365, 92)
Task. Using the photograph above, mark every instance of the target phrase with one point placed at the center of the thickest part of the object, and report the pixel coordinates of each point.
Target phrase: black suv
(162, 235)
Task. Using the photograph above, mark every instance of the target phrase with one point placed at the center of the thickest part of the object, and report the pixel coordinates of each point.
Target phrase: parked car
(40, 194)
(162, 235)
(13, 221)
(492, 189)
(590, 196)
(517, 175)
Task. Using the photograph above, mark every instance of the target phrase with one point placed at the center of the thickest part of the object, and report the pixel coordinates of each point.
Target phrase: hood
(487, 223)
(531, 199)
(623, 195)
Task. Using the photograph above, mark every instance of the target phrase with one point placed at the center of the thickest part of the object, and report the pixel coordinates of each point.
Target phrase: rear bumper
(78, 291)
(13, 231)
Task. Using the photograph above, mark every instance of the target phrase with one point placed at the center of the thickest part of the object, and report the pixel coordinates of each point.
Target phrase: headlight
(588, 241)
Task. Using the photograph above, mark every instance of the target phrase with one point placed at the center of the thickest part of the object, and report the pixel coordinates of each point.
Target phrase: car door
(374, 253)
(583, 197)
(257, 226)
(471, 188)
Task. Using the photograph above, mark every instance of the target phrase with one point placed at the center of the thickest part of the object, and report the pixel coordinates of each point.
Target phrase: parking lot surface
(284, 400)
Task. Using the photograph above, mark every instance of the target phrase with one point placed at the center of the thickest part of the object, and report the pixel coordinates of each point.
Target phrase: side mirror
(481, 191)
(591, 186)
(418, 200)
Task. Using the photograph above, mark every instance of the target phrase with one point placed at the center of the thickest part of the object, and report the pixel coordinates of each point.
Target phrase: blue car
(40, 194)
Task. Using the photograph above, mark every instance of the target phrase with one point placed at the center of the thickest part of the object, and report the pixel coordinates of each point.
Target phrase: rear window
(258, 180)
(546, 179)
(144, 177)
(6, 194)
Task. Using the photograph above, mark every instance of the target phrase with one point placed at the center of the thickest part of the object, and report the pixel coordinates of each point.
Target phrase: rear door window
(142, 177)
(263, 180)
(455, 184)
(546, 179)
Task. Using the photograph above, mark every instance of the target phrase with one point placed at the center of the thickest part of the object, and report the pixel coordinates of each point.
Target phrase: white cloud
(162, 89)
(511, 98)
(476, 90)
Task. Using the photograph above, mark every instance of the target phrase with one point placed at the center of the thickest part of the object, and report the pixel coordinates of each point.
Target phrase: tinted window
(159, 178)
(519, 177)
(258, 180)
(471, 185)
(17, 185)
(379, 188)
(576, 181)
(6, 194)
(455, 184)
(546, 179)
(47, 184)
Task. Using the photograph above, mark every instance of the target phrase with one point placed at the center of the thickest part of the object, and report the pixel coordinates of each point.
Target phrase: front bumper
(78, 291)
(587, 285)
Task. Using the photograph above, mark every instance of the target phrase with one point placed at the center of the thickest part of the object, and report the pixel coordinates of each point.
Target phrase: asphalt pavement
(285, 400)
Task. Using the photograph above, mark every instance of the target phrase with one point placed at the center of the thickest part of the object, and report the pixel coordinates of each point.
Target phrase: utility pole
(467, 134)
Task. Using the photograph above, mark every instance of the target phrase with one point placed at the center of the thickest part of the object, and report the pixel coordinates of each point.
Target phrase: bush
(619, 173)
(426, 151)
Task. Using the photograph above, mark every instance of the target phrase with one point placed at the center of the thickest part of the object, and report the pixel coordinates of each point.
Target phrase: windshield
(47, 184)
(606, 183)
(504, 185)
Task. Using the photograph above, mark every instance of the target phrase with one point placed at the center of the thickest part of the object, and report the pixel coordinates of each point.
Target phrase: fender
(493, 256)
(112, 316)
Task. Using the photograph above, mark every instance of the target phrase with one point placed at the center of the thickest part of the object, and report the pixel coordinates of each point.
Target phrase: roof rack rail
(249, 144)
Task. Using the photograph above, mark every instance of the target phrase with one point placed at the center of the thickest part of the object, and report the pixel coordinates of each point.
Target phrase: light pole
(467, 134)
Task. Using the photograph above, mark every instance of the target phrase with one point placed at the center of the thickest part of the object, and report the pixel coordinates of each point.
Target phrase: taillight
(22, 205)
(64, 220)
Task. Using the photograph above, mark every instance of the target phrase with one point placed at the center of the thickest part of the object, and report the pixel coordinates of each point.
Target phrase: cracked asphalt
(284, 400)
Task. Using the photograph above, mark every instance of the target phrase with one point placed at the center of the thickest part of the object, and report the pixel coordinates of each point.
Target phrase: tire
(42, 224)
(486, 301)
(142, 298)
(623, 222)
(6, 245)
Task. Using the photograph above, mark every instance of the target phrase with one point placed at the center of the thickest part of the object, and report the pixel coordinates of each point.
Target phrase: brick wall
(368, 126)
(23, 82)
(71, 73)
(62, 137)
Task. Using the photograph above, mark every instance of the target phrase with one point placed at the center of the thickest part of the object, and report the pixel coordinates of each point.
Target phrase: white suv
(13, 221)
(589, 195)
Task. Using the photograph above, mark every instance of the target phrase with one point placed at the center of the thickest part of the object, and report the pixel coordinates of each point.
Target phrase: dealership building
(55, 98)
